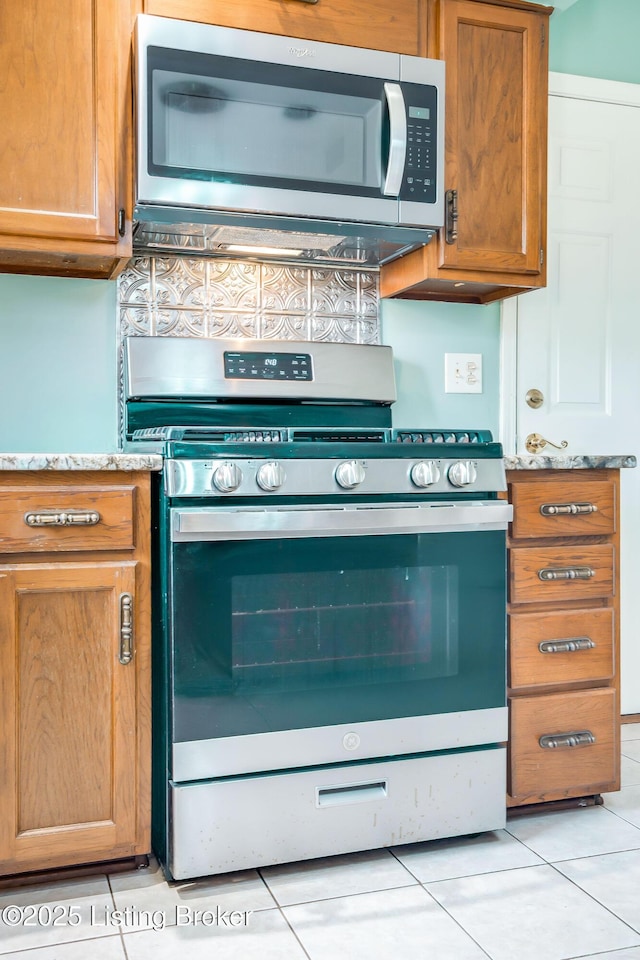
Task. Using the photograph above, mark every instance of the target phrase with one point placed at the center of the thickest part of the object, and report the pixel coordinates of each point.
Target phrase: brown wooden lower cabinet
(563, 628)
(74, 682)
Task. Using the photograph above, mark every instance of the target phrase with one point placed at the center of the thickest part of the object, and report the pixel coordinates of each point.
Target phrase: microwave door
(263, 138)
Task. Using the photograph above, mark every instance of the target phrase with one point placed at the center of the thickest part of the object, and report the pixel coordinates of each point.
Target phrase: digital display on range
(267, 366)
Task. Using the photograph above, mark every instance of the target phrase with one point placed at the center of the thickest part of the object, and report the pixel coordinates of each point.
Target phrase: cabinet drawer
(560, 647)
(536, 769)
(563, 509)
(561, 573)
(55, 519)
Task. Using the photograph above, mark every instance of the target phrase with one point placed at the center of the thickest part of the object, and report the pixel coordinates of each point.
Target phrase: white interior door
(578, 341)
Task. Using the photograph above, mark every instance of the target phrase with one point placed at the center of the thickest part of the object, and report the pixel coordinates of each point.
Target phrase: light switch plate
(463, 373)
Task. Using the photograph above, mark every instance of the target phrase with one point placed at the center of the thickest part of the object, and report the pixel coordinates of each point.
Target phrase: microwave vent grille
(275, 238)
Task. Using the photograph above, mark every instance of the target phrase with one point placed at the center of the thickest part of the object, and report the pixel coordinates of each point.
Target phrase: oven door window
(290, 634)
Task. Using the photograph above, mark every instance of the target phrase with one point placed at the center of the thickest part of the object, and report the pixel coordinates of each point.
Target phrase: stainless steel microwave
(260, 135)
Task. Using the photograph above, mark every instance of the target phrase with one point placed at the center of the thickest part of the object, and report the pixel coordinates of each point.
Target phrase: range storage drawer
(561, 647)
(575, 508)
(51, 519)
(564, 741)
(251, 821)
(557, 574)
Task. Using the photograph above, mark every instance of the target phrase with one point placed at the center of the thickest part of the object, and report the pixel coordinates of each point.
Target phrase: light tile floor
(551, 886)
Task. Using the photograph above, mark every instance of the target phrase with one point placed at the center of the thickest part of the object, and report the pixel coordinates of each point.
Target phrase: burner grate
(442, 436)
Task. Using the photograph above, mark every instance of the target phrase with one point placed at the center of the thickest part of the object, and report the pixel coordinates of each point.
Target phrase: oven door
(322, 634)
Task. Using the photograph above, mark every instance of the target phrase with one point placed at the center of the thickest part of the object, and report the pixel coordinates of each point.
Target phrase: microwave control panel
(419, 181)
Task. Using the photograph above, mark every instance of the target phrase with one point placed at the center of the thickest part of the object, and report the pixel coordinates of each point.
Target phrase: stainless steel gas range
(329, 666)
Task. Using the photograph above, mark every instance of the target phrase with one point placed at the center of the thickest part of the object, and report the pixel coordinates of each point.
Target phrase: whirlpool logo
(300, 52)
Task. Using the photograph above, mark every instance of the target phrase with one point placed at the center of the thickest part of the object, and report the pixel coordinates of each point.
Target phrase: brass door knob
(535, 443)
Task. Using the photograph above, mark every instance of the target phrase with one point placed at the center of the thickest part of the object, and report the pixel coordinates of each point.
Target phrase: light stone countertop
(153, 461)
(80, 461)
(566, 462)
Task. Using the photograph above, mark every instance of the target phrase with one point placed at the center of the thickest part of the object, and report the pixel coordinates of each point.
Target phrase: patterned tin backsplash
(184, 297)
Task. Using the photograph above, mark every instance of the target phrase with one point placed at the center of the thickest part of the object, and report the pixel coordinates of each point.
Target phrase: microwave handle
(397, 139)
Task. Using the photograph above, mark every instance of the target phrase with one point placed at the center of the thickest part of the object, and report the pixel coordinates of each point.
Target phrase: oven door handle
(271, 523)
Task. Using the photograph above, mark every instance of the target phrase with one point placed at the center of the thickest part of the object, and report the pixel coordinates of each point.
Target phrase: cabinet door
(495, 156)
(64, 154)
(378, 25)
(496, 134)
(68, 746)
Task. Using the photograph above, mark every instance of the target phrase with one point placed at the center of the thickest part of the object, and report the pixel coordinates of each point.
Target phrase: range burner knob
(424, 473)
(462, 473)
(227, 477)
(270, 475)
(350, 474)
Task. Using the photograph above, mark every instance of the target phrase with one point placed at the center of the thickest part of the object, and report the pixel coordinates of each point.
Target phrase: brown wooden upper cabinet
(66, 159)
(496, 54)
(377, 24)
(65, 183)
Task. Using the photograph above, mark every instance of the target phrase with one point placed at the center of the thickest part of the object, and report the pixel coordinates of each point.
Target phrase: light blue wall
(421, 334)
(58, 379)
(597, 38)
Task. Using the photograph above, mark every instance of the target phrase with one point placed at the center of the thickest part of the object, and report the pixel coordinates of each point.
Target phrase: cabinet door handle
(451, 216)
(580, 738)
(71, 518)
(126, 628)
(566, 573)
(570, 645)
(567, 509)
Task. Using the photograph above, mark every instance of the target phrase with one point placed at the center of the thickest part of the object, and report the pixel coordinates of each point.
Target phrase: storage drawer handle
(570, 645)
(126, 628)
(351, 793)
(72, 518)
(581, 738)
(566, 573)
(567, 509)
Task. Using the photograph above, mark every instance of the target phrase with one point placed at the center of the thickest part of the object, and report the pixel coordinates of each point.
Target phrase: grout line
(456, 921)
(284, 916)
(599, 902)
(58, 945)
(346, 896)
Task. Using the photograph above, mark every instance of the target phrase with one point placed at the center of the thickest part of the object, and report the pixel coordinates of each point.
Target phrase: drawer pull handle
(126, 628)
(582, 738)
(566, 573)
(570, 645)
(567, 509)
(72, 518)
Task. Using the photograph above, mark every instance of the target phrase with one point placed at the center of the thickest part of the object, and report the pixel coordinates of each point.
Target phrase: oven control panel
(260, 477)
(259, 365)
